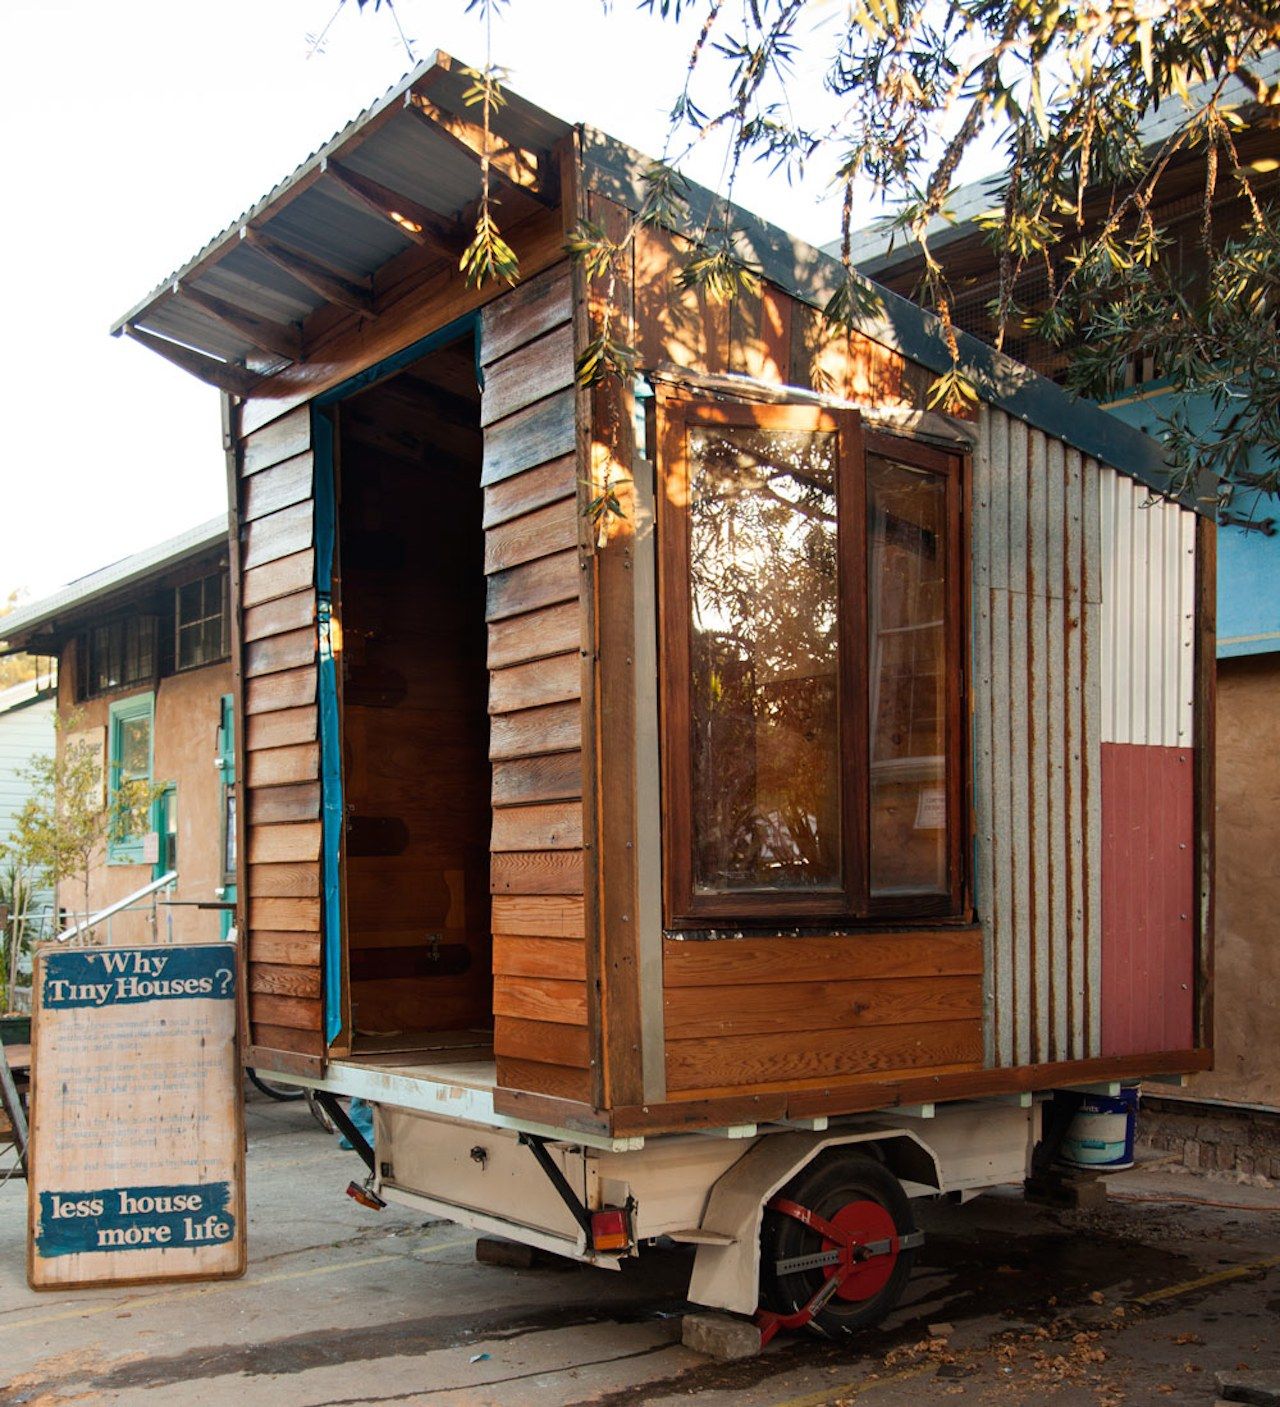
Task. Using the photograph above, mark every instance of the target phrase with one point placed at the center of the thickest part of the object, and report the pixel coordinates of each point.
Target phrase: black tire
(284, 1093)
(835, 1180)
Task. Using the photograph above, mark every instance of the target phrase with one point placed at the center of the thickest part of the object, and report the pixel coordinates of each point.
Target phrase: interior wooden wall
(415, 734)
(535, 615)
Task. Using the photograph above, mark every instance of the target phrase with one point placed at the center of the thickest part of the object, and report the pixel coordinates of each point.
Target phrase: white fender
(728, 1276)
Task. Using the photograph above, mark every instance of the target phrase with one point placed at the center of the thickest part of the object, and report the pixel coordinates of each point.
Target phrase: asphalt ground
(1138, 1303)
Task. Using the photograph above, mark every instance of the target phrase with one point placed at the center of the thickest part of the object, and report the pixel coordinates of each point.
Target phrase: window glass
(764, 658)
(906, 637)
(135, 749)
(131, 727)
(201, 621)
(118, 654)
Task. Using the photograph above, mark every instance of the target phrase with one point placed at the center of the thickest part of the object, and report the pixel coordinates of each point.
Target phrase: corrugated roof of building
(877, 247)
(20, 628)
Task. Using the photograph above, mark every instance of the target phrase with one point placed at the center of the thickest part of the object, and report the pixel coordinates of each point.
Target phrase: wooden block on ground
(1055, 1189)
(515, 1255)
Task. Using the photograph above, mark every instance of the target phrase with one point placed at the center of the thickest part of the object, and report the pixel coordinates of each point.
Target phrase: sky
(139, 129)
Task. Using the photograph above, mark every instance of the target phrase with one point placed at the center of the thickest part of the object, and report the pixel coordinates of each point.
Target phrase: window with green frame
(132, 760)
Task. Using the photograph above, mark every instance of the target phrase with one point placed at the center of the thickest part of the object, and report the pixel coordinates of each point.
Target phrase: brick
(720, 1336)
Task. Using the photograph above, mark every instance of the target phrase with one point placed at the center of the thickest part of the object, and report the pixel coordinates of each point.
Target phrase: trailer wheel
(863, 1200)
(274, 1089)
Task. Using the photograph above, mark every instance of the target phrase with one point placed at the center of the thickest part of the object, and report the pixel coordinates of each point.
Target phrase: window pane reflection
(764, 654)
(906, 636)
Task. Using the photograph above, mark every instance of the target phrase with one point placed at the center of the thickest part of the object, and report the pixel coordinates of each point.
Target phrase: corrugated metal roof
(314, 213)
(19, 626)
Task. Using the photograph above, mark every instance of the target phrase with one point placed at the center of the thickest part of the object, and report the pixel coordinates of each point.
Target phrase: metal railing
(144, 898)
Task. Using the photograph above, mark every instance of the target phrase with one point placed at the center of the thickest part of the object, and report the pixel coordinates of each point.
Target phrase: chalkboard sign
(137, 1146)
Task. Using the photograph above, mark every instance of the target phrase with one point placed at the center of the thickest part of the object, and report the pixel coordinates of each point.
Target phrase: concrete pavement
(343, 1306)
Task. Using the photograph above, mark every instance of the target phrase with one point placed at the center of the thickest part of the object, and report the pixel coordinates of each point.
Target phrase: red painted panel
(1148, 899)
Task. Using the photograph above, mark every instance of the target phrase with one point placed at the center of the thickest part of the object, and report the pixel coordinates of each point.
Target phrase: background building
(144, 677)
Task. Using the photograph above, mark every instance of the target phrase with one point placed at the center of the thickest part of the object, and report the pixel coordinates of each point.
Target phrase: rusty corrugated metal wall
(1037, 584)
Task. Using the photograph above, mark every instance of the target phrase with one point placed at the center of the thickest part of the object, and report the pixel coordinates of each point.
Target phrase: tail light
(365, 1197)
(611, 1229)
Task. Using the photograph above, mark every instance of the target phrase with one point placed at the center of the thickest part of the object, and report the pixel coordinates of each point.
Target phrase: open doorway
(414, 697)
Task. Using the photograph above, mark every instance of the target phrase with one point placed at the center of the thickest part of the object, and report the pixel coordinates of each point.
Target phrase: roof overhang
(404, 174)
(38, 626)
(241, 309)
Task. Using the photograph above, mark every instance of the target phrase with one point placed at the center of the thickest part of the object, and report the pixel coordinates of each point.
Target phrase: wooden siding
(1036, 582)
(535, 689)
(756, 1013)
(716, 1033)
(280, 898)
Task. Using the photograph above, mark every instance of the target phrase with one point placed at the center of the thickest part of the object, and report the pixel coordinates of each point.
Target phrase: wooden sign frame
(136, 1158)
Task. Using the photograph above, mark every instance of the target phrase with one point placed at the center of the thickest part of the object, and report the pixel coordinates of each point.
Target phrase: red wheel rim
(864, 1222)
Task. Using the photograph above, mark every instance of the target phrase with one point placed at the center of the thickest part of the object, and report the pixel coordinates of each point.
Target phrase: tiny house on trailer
(746, 862)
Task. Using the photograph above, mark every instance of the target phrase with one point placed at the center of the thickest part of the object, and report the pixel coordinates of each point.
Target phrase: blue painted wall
(1248, 562)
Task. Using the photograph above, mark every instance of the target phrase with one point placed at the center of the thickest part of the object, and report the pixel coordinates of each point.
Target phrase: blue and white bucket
(1101, 1133)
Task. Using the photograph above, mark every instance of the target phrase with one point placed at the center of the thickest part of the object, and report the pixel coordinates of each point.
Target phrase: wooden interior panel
(414, 695)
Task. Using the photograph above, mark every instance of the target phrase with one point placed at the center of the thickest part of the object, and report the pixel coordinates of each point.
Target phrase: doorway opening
(410, 602)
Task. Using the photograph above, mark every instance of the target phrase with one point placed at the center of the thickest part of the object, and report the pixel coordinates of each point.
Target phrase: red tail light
(610, 1229)
(365, 1197)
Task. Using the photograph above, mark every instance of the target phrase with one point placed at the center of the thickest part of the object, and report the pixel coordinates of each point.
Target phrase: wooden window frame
(851, 903)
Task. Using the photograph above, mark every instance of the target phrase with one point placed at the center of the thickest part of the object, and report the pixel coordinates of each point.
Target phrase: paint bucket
(1101, 1133)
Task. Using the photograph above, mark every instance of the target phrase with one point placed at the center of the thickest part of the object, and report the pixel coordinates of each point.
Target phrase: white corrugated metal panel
(1148, 623)
(26, 731)
(1036, 625)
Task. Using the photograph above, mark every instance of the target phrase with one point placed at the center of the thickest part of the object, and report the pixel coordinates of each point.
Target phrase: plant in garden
(66, 822)
(19, 881)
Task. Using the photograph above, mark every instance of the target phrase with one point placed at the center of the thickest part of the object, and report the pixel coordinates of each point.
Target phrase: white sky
(137, 129)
